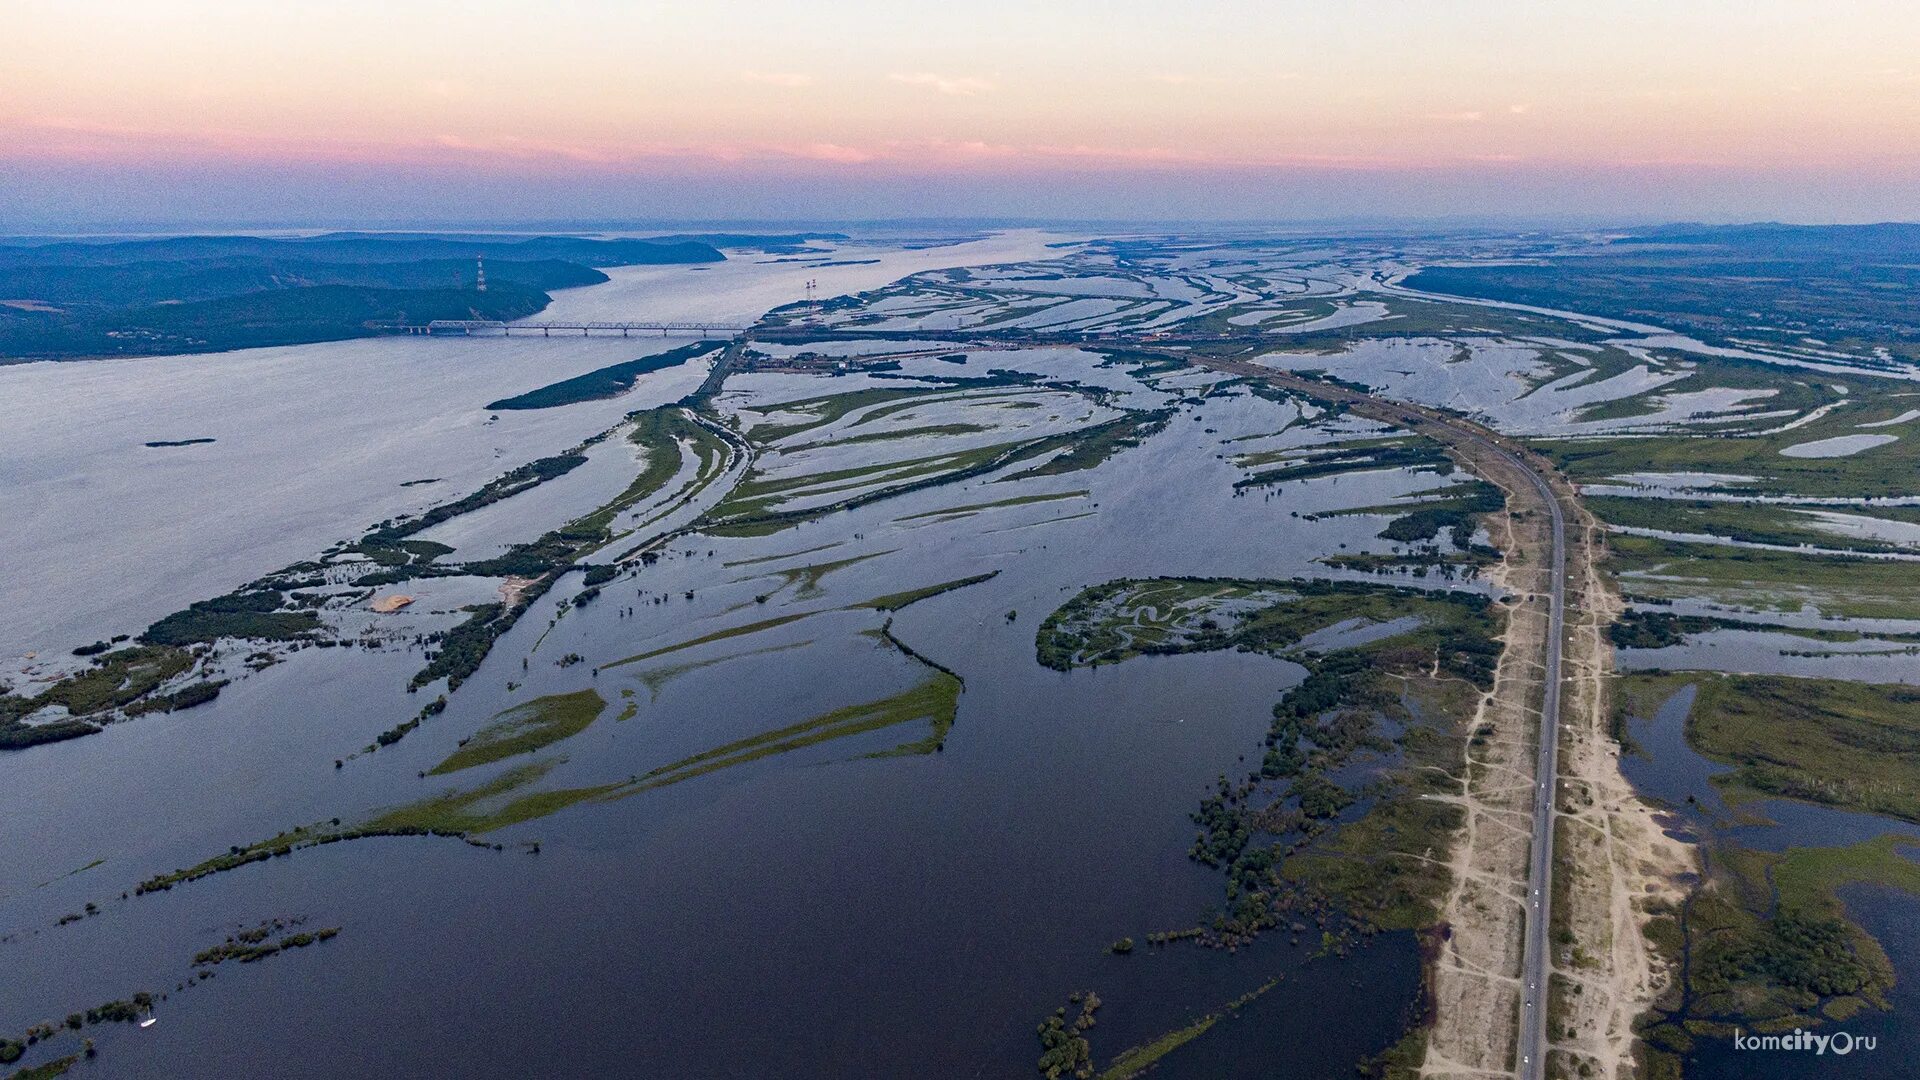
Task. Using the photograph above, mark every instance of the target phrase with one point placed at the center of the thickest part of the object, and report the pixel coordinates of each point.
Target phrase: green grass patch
(1851, 745)
(974, 508)
(606, 382)
(717, 635)
(898, 600)
(525, 728)
(1649, 568)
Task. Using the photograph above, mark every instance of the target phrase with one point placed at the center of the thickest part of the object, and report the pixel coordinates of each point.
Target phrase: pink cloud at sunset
(867, 93)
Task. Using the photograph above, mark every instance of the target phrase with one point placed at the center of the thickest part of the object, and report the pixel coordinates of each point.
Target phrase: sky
(422, 111)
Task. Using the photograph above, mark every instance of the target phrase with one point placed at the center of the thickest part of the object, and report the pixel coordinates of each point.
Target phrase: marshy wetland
(850, 697)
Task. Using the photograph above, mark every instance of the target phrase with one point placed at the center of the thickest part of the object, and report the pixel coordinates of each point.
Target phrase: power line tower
(480, 269)
(813, 309)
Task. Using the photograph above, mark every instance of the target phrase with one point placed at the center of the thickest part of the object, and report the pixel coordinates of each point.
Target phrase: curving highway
(1530, 1054)
(1535, 962)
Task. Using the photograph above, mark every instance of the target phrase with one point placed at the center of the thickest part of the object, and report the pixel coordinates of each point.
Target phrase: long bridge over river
(496, 328)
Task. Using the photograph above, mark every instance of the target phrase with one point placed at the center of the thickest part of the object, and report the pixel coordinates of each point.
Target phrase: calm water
(1666, 768)
(312, 443)
(818, 913)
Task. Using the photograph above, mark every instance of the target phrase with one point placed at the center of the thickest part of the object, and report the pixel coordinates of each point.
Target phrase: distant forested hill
(363, 248)
(1847, 286)
(251, 320)
(140, 283)
(207, 293)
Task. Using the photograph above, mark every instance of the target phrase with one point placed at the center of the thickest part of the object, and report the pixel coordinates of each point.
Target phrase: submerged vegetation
(1332, 827)
(606, 382)
(1088, 448)
(526, 728)
(1281, 835)
(1845, 744)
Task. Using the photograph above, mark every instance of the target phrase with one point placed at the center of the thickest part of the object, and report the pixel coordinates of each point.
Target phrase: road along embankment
(1558, 866)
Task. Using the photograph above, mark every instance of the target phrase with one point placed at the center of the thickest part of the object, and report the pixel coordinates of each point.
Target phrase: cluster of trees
(465, 646)
(1471, 655)
(1319, 797)
(251, 945)
(16, 735)
(396, 553)
(1064, 1049)
(1656, 629)
(512, 482)
(1458, 516)
(400, 731)
(1799, 950)
(606, 382)
(552, 550)
(186, 697)
(1330, 682)
(121, 1012)
(1223, 828)
(116, 679)
(243, 614)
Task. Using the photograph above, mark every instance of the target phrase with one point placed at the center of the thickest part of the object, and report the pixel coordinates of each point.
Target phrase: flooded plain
(840, 907)
(826, 809)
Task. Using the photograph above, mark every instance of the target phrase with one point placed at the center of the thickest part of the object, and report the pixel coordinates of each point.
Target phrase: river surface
(312, 443)
(819, 913)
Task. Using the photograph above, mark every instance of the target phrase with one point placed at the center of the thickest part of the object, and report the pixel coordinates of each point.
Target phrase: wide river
(819, 914)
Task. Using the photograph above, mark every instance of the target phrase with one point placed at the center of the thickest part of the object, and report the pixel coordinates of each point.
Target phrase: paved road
(1536, 960)
(1530, 1056)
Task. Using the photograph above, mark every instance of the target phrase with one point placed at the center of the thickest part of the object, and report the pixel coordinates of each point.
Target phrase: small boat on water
(150, 1020)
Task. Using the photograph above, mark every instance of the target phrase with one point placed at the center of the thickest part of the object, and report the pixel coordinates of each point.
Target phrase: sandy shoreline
(1614, 867)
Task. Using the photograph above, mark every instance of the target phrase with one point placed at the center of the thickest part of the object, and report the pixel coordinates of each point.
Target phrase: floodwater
(818, 913)
(1838, 446)
(1772, 652)
(312, 443)
(1665, 768)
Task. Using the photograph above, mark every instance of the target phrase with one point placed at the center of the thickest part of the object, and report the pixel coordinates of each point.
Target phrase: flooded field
(851, 697)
